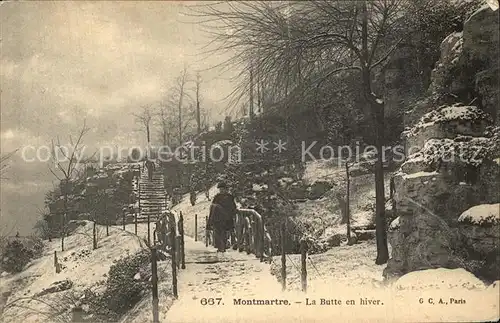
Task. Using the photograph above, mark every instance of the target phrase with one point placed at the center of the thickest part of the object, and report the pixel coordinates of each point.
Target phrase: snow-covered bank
(82, 266)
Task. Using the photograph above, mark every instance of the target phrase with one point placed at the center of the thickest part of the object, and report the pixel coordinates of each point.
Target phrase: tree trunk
(148, 135)
(259, 101)
(251, 112)
(381, 233)
(377, 113)
(198, 117)
(180, 117)
(106, 214)
(63, 220)
(342, 205)
(347, 211)
(94, 236)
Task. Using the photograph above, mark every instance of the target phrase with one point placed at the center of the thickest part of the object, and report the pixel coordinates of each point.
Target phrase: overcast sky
(65, 61)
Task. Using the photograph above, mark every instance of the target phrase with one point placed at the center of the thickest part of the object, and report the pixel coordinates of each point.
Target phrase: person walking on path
(221, 218)
(150, 165)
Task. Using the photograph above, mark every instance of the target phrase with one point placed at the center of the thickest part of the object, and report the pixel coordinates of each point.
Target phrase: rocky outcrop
(479, 229)
(114, 181)
(58, 286)
(444, 178)
(467, 69)
(452, 164)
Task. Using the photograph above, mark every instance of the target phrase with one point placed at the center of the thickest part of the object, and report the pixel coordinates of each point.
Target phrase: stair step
(152, 201)
(152, 206)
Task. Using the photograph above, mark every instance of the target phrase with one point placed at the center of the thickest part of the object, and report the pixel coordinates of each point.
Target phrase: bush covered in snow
(122, 290)
(484, 214)
(17, 253)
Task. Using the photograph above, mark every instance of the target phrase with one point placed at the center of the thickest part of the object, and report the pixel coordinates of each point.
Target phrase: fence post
(139, 193)
(237, 226)
(283, 256)
(135, 221)
(149, 230)
(154, 281)
(77, 314)
(206, 231)
(172, 253)
(248, 235)
(178, 251)
(262, 239)
(303, 265)
(56, 263)
(196, 227)
(255, 233)
(181, 233)
(123, 218)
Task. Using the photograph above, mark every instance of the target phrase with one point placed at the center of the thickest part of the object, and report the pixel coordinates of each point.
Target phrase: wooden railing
(251, 234)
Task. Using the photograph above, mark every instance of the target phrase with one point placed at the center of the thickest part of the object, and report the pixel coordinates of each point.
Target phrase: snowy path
(207, 275)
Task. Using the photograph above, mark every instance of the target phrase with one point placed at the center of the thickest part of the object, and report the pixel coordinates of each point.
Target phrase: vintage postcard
(250, 161)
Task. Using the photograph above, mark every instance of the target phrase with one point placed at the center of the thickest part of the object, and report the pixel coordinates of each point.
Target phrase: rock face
(452, 161)
(85, 193)
(479, 230)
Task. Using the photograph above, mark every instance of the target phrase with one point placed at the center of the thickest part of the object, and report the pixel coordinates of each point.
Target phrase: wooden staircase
(151, 195)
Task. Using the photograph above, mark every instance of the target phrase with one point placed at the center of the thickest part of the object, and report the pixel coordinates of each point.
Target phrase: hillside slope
(39, 294)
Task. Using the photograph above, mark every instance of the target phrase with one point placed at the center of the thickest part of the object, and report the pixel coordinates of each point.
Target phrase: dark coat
(222, 212)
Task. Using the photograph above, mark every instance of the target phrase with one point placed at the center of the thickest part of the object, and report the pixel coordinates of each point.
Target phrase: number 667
(211, 301)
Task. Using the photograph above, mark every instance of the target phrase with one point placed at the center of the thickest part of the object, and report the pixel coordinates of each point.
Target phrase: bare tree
(65, 169)
(198, 109)
(3, 163)
(180, 94)
(97, 211)
(3, 169)
(166, 123)
(43, 226)
(299, 45)
(144, 119)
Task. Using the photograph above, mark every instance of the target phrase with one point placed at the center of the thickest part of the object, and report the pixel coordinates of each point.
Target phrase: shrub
(17, 253)
(122, 291)
(218, 127)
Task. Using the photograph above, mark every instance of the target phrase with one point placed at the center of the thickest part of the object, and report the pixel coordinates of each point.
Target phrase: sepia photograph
(249, 161)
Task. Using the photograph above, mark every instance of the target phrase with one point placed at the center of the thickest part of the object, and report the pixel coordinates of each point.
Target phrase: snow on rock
(440, 278)
(420, 174)
(283, 182)
(394, 224)
(493, 4)
(495, 286)
(460, 150)
(223, 143)
(259, 188)
(481, 214)
(445, 114)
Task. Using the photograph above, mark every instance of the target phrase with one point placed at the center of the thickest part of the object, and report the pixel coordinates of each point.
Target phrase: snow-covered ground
(201, 208)
(325, 212)
(84, 267)
(343, 284)
(343, 273)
